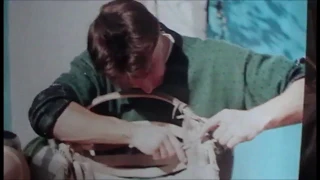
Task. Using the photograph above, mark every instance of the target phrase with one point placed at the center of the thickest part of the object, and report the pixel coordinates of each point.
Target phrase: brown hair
(122, 38)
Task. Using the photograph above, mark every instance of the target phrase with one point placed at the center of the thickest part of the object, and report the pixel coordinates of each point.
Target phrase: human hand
(231, 127)
(157, 141)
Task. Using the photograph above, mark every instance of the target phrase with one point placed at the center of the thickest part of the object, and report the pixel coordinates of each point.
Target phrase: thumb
(211, 125)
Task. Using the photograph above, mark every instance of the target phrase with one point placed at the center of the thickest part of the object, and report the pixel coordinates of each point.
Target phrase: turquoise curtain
(274, 27)
(6, 102)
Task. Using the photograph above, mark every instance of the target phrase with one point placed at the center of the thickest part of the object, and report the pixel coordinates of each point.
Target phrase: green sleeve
(81, 84)
(267, 76)
(83, 79)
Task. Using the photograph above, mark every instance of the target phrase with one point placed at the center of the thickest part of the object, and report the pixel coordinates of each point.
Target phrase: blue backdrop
(275, 27)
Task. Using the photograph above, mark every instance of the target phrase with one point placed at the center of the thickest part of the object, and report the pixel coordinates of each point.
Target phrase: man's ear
(176, 36)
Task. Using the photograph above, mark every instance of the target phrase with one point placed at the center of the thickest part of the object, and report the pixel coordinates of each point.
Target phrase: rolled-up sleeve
(81, 84)
(268, 76)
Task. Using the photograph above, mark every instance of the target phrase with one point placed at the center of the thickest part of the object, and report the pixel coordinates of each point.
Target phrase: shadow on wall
(273, 27)
(265, 26)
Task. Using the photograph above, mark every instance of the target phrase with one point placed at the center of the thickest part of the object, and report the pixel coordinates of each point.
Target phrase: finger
(219, 132)
(169, 147)
(87, 146)
(178, 148)
(156, 155)
(163, 152)
(233, 142)
(212, 124)
(226, 137)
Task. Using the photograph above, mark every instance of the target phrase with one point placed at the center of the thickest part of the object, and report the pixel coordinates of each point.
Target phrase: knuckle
(229, 146)
(250, 137)
(221, 142)
(242, 137)
(246, 138)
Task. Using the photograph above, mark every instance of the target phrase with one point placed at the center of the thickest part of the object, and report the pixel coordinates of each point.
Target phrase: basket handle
(178, 105)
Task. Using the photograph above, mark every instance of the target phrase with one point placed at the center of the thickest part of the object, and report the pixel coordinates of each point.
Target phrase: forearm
(285, 109)
(77, 124)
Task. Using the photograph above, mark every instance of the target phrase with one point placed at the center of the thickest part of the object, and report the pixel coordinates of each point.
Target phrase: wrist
(116, 131)
(132, 133)
(271, 112)
(129, 132)
(265, 120)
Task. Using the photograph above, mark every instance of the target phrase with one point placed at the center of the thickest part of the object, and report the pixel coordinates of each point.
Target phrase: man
(242, 92)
